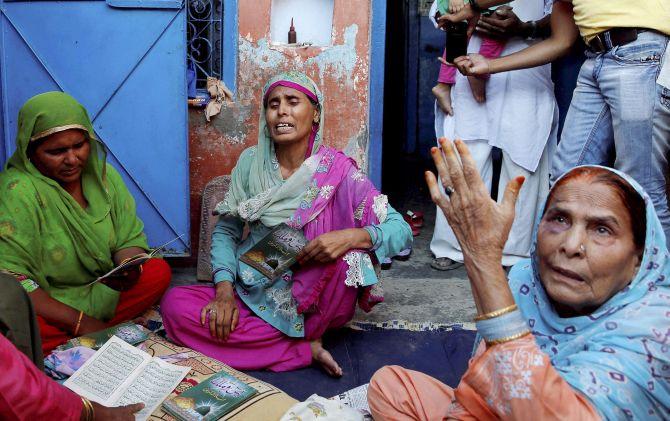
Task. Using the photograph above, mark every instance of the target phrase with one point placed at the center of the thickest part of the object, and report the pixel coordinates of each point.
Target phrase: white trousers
(528, 205)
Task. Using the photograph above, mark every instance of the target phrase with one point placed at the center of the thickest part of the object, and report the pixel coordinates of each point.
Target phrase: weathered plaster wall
(341, 71)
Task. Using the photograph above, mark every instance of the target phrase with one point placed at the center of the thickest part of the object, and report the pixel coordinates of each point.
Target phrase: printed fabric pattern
(618, 356)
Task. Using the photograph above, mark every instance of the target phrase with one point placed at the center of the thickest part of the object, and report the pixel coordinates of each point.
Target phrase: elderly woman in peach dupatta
(581, 329)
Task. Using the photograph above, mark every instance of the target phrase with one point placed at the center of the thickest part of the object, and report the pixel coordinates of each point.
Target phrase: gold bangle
(76, 329)
(508, 338)
(496, 313)
(88, 408)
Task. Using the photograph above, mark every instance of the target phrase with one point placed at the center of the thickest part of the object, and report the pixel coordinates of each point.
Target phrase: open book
(120, 374)
(133, 262)
(125, 266)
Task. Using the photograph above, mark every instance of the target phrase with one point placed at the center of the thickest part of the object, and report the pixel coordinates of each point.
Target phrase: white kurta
(520, 117)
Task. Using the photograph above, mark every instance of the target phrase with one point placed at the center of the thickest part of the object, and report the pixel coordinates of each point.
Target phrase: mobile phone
(457, 40)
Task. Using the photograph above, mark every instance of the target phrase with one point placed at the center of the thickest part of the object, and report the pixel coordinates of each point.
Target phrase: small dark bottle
(292, 36)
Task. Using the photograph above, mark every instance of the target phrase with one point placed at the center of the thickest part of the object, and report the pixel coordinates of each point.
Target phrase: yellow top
(595, 16)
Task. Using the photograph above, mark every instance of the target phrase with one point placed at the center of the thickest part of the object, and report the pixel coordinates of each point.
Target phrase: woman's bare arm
(62, 315)
(564, 32)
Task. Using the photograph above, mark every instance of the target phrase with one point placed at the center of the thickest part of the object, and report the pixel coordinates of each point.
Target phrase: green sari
(45, 235)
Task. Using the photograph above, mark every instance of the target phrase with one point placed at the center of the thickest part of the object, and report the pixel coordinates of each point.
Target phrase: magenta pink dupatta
(339, 197)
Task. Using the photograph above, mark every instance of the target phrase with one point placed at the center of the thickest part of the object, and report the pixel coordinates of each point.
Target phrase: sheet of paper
(103, 377)
(156, 381)
(356, 398)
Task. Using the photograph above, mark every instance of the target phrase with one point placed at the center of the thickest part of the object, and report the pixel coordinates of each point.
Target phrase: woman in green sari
(66, 218)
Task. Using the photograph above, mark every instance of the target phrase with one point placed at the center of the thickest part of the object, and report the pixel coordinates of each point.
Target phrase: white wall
(313, 20)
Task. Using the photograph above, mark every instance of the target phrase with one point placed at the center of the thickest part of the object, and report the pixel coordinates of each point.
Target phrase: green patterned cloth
(45, 234)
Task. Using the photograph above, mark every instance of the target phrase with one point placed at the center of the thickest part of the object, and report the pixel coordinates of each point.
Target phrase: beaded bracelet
(496, 313)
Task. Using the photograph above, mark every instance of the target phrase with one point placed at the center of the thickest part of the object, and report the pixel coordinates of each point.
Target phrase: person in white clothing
(520, 117)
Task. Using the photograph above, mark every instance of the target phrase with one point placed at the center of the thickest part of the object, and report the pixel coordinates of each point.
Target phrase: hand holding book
(126, 274)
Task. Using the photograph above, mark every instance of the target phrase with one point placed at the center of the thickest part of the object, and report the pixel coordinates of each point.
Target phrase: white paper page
(156, 381)
(356, 398)
(105, 375)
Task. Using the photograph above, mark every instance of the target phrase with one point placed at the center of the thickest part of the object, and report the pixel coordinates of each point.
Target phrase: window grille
(205, 24)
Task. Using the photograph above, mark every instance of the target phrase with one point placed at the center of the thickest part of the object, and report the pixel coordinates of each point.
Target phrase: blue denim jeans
(615, 118)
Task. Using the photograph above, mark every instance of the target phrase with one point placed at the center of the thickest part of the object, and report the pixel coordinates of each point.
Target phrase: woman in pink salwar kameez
(249, 321)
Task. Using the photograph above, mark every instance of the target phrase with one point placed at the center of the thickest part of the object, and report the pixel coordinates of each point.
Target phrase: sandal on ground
(414, 219)
(445, 263)
(403, 255)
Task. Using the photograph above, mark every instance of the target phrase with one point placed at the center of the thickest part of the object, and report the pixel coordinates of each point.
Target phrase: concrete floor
(414, 291)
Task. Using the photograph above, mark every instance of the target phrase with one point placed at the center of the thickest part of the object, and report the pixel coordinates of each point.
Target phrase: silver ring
(448, 190)
(212, 311)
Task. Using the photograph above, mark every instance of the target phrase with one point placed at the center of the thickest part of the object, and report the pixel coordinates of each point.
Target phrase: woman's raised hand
(480, 224)
(222, 312)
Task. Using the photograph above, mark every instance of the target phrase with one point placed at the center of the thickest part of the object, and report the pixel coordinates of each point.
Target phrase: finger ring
(448, 190)
(212, 311)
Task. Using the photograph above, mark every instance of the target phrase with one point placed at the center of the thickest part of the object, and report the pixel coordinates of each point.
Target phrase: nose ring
(582, 248)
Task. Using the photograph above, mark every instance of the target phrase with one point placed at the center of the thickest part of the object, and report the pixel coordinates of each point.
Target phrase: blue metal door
(124, 60)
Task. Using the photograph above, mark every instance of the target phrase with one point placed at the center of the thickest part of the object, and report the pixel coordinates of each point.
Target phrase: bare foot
(323, 357)
(478, 88)
(442, 92)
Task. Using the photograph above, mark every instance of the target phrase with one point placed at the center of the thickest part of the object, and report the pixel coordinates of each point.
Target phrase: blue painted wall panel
(127, 66)
(230, 50)
(376, 111)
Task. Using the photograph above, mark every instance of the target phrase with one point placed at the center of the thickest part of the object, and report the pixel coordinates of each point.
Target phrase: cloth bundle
(219, 93)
